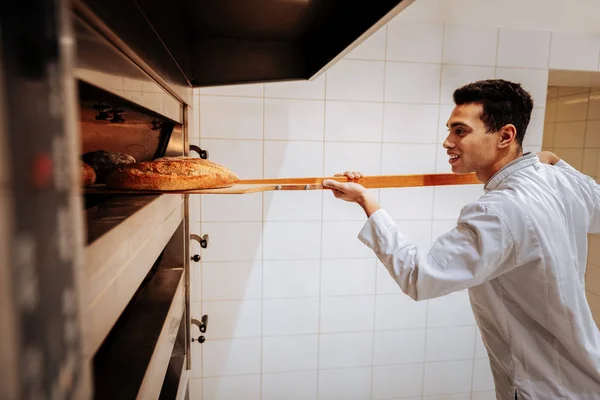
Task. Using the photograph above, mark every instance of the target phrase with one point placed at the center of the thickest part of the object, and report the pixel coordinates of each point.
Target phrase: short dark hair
(503, 103)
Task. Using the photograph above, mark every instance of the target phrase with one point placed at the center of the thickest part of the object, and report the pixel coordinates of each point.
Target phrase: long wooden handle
(264, 185)
(375, 182)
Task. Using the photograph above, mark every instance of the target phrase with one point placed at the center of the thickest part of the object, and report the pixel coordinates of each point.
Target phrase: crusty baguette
(172, 173)
(88, 175)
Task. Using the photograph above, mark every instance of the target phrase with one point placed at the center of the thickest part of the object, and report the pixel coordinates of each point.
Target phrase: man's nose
(447, 143)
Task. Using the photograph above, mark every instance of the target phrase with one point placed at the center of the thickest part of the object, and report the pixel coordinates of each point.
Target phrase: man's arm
(478, 249)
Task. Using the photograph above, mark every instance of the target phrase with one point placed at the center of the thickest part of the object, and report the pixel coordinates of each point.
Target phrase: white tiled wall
(299, 308)
(572, 131)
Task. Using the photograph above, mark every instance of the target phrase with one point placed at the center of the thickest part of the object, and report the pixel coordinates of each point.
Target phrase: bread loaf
(104, 162)
(88, 176)
(172, 173)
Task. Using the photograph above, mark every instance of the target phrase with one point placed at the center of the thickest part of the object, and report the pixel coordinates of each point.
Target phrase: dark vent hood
(219, 42)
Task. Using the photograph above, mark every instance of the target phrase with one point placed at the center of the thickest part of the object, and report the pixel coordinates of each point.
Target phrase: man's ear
(508, 134)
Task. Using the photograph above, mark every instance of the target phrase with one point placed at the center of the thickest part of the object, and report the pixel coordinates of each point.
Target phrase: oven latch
(202, 325)
(202, 153)
(203, 240)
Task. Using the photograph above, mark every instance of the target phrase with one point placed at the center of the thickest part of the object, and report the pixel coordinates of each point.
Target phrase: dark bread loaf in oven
(88, 175)
(105, 162)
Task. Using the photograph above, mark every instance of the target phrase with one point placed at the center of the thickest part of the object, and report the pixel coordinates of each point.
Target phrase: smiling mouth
(453, 158)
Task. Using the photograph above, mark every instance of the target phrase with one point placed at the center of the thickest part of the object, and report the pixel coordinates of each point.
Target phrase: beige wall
(572, 131)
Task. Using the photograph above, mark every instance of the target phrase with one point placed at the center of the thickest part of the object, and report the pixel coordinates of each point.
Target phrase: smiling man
(520, 249)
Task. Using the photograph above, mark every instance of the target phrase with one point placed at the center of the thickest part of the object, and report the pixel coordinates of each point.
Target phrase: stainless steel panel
(229, 61)
(184, 383)
(124, 242)
(44, 249)
(218, 42)
(337, 43)
(127, 24)
(8, 317)
(175, 381)
(9, 344)
(236, 42)
(101, 64)
(155, 374)
(133, 361)
(176, 146)
(188, 265)
(143, 135)
(159, 17)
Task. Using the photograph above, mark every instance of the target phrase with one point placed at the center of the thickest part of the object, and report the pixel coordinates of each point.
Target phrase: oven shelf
(134, 359)
(176, 383)
(126, 236)
(106, 213)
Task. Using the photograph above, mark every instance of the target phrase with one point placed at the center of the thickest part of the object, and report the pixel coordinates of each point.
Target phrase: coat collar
(513, 166)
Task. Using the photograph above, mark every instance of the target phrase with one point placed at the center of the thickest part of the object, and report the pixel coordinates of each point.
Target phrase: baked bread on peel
(172, 173)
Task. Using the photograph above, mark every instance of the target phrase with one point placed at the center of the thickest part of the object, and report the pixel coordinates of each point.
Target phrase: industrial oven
(95, 288)
(133, 261)
(136, 278)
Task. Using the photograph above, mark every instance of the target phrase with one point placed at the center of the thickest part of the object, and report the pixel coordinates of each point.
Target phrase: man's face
(470, 147)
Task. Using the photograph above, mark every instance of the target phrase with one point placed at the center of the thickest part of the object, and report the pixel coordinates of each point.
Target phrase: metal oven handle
(203, 240)
(202, 153)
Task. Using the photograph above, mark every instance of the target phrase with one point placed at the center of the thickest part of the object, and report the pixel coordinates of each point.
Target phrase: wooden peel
(264, 185)
(373, 182)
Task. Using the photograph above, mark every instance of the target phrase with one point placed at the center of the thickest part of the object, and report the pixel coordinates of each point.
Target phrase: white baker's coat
(521, 250)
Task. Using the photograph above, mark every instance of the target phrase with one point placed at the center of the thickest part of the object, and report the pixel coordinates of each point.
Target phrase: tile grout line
(598, 66)
(279, 221)
(550, 52)
(423, 370)
(382, 132)
(199, 227)
(321, 241)
(294, 221)
(337, 333)
(341, 100)
(238, 96)
(496, 55)
(497, 49)
(585, 123)
(262, 253)
(474, 358)
(555, 111)
(475, 341)
(336, 369)
(432, 143)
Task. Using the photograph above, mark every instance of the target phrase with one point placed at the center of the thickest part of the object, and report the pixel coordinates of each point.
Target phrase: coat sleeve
(594, 197)
(478, 249)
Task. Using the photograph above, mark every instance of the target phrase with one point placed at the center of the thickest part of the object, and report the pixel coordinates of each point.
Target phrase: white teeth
(453, 157)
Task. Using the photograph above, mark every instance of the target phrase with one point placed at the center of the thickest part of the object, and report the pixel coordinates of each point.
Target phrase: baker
(520, 249)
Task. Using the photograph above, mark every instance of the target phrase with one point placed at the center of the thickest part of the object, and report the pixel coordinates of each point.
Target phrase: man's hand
(348, 191)
(548, 157)
(353, 192)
